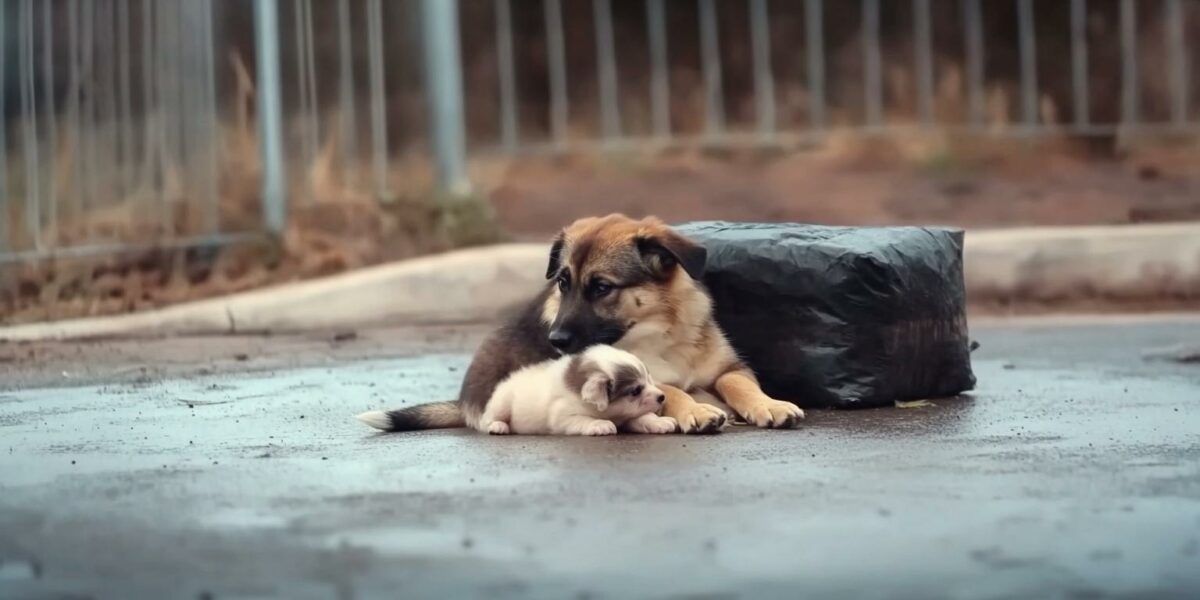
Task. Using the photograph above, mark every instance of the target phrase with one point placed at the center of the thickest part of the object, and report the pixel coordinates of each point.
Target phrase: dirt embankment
(922, 180)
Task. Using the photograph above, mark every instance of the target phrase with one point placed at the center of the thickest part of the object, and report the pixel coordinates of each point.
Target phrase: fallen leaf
(914, 404)
(195, 403)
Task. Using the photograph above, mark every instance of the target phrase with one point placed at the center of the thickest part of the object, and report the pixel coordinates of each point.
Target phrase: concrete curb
(1121, 262)
(463, 285)
(1129, 262)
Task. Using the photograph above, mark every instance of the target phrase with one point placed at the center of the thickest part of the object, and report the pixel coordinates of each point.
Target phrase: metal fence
(150, 123)
(111, 119)
(875, 114)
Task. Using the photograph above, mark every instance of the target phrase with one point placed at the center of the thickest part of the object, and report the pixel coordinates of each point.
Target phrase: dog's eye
(601, 288)
(564, 283)
(637, 391)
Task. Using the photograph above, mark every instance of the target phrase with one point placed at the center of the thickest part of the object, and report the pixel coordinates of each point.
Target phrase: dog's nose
(662, 398)
(560, 339)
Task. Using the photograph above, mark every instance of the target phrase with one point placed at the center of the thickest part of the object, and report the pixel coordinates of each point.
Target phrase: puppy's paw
(498, 428)
(774, 414)
(701, 418)
(600, 428)
(654, 424)
(662, 425)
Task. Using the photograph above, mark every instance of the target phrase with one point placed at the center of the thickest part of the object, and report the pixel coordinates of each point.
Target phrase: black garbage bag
(842, 317)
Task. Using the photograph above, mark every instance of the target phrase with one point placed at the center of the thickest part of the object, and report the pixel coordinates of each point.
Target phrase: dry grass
(336, 222)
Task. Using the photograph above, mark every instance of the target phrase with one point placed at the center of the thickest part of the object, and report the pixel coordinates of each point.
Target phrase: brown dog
(633, 284)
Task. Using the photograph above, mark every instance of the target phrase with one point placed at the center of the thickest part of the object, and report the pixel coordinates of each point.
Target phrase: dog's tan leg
(692, 416)
(741, 392)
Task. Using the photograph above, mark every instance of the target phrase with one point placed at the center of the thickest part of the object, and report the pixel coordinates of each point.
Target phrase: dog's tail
(435, 415)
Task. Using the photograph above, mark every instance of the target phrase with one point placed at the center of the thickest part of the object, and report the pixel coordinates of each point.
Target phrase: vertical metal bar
(1177, 57)
(149, 101)
(185, 78)
(301, 93)
(555, 47)
(310, 66)
(109, 150)
(923, 34)
(4, 208)
(164, 129)
(815, 44)
(182, 78)
(508, 75)
(95, 96)
(51, 117)
(108, 140)
(29, 119)
(177, 67)
(88, 87)
(1028, 48)
(1129, 74)
(379, 157)
(74, 123)
(207, 48)
(660, 94)
(300, 35)
(610, 108)
(973, 26)
(1079, 62)
(270, 119)
(170, 150)
(872, 71)
(346, 102)
(444, 71)
(125, 112)
(764, 82)
(179, 34)
(203, 138)
(710, 51)
(120, 130)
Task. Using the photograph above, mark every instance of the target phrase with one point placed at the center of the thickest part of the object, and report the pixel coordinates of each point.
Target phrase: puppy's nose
(662, 398)
(560, 339)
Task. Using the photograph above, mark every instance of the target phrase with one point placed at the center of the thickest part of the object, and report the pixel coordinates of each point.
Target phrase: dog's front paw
(498, 428)
(654, 424)
(701, 418)
(773, 414)
(600, 428)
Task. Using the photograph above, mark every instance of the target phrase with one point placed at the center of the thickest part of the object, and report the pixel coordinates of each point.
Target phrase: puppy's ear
(555, 256)
(662, 251)
(596, 390)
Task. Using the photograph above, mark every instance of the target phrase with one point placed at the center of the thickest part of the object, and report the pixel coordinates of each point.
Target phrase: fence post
(443, 85)
(660, 90)
(815, 40)
(270, 115)
(4, 234)
(710, 59)
(872, 61)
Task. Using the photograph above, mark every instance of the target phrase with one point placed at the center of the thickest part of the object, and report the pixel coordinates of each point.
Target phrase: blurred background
(155, 151)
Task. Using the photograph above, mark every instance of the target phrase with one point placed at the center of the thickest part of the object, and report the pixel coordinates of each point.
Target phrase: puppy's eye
(600, 288)
(636, 391)
(564, 283)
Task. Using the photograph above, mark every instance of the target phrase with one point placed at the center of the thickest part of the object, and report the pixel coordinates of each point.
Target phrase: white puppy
(596, 392)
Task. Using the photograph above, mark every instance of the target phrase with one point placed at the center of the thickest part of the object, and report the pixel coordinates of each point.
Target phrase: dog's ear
(555, 256)
(662, 251)
(596, 390)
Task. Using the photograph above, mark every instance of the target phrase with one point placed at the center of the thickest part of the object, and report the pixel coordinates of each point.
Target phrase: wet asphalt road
(1073, 471)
